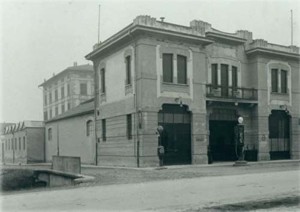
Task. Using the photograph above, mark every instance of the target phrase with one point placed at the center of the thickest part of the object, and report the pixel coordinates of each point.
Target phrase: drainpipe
(13, 147)
(95, 116)
(57, 133)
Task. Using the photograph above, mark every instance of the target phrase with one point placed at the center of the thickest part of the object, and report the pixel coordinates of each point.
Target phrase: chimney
(162, 19)
(75, 63)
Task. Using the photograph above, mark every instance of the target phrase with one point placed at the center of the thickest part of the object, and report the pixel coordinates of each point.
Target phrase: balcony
(230, 93)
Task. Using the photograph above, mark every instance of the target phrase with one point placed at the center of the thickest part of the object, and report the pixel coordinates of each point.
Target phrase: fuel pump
(239, 142)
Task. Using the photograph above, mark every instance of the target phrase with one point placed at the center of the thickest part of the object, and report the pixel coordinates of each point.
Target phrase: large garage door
(176, 137)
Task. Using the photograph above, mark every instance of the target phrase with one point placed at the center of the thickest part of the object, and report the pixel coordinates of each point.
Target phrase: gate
(279, 135)
(176, 136)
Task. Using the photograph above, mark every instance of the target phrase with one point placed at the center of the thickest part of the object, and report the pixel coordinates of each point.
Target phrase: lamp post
(239, 142)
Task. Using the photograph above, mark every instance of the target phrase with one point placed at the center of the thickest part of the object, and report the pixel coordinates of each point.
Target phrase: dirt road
(168, 195)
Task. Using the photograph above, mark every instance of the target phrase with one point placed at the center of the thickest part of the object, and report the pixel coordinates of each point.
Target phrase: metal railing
(227, 92)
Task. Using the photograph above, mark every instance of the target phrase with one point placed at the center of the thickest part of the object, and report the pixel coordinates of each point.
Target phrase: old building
(67, 89)
(195, 81)
(23, 143)
(72, 134)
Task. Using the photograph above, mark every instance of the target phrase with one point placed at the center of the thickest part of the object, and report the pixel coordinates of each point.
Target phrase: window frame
(274, 81)
(234, 77)
(102, 76)
(81, 89)
(89, 128)
(167, 68)
(284, 82)
(214, 75)
(128, 69)
(180, 71)
(62, 92)
(129, 126)
(56, 94)
(49, 134)
(103, 125)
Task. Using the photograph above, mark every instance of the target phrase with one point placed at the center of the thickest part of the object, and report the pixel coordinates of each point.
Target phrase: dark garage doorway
(221, 135)
(176, 136)
(221, 141)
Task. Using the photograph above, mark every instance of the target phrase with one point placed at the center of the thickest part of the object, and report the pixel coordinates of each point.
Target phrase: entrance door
(224, 80)
(279, 135)
(222, 141)
(176, 136)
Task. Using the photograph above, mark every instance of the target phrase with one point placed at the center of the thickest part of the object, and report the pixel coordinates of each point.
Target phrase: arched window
(49, 134)
(89, 127)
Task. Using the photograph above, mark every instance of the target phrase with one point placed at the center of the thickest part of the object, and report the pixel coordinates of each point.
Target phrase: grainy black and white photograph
(127, 105)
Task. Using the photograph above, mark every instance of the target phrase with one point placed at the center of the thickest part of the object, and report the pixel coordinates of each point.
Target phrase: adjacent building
(67, 89)
(195, 81)
(23, 143)
(72, 134)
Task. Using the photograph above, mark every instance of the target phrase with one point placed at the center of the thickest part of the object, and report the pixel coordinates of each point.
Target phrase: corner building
(195, 81)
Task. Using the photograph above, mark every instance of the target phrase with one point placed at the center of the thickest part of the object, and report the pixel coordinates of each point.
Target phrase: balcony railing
(226, 92)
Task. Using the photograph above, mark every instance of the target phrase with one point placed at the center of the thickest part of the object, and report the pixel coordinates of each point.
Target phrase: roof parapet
(200, 26)
(245, 34)
(146, 20)
(260, 43)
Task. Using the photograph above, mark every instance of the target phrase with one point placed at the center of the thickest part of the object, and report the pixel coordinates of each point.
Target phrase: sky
(39, 38)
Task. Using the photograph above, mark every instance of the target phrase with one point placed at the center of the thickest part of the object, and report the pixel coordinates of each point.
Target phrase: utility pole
(291, 27)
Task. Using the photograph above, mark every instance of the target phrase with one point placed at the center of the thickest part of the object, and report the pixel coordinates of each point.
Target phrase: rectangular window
(83, 89)
(283, 81)
(102, 73)
(167, 68)
(68, 89)
(62, 91)
(103, 130)
(69, 105)
(50, 115)
(89, 128)
(234, 77)
(56, 95)
(181, 69)
(214, 75)
(49, 134)
(129, 127)
(20, 144)
(16, 144)
(24, 143)
(45, 115)
(45, 99)
(128, 70)
(56, 111)
(50, 97)
(274, 79)
(63, 108)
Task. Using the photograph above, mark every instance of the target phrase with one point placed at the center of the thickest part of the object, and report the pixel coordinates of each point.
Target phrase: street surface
(165, 195)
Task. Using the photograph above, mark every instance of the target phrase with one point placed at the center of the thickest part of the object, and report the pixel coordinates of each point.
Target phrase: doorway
(279, 135)
(176, 136)
(222, 140)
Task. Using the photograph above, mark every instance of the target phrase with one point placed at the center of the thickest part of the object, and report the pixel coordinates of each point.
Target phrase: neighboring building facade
(72, 134)
(67, 90)
(23, 143)
(194, 81)
(2, 130)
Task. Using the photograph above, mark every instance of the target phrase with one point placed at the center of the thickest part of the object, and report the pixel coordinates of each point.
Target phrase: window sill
(278, 93)
(175, 84)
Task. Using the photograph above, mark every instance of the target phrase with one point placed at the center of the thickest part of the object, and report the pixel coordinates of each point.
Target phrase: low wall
(66, 164)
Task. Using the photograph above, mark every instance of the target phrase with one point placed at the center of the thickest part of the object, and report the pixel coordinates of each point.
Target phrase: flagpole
(99, 25)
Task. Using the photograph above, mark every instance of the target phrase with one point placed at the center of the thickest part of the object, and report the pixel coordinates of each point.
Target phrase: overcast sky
(39, 38)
